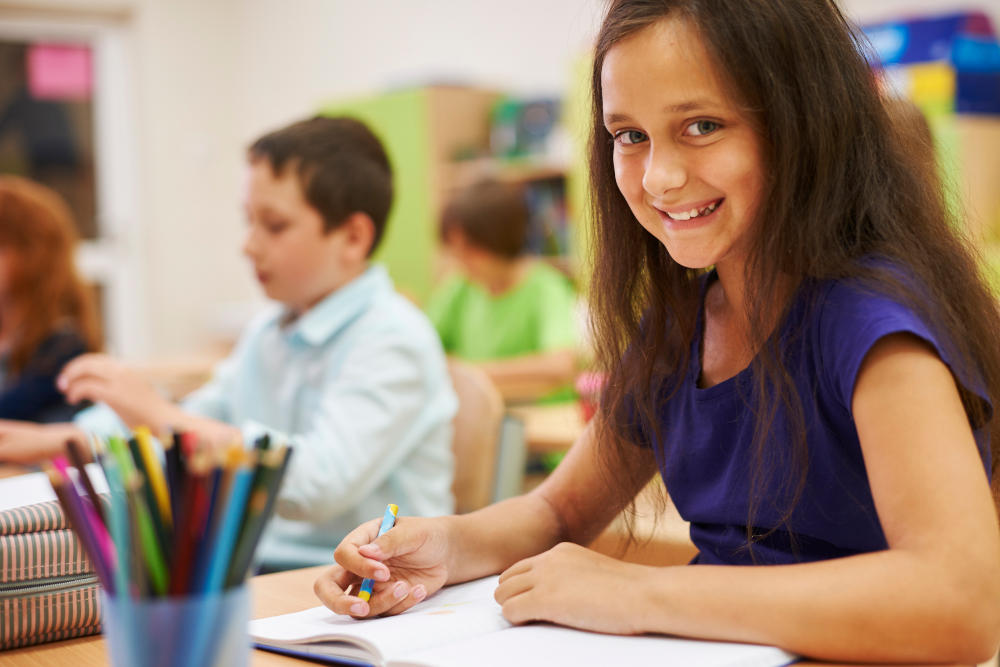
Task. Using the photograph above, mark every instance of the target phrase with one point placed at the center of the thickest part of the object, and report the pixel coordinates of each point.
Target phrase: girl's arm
(420, 555)
(573, 504)
(932, 596)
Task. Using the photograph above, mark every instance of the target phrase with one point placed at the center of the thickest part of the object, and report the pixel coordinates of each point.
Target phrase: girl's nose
(665, 171)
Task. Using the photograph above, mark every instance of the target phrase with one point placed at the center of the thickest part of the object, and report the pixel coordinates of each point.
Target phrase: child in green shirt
(509, 313)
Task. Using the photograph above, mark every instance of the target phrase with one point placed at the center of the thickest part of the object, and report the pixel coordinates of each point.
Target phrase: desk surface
(549, 428)
(273, 594)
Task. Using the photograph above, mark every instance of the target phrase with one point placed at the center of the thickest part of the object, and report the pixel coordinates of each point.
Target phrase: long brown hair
(845, 183)
(44, 287)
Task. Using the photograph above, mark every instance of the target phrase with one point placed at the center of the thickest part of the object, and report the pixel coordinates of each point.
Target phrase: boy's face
(294, 260)
(467, 255)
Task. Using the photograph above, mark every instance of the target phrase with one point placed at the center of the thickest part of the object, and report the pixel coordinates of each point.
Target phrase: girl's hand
(99, 378)
(407, 564)
(574, 586)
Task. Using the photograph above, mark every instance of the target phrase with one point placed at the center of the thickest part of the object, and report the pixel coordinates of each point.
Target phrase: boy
(345, 369)
(511, 314)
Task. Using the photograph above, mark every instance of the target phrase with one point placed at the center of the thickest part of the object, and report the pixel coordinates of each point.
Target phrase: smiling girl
(796, 340)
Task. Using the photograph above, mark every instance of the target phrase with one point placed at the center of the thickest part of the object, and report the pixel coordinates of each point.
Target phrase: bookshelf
(439, 139)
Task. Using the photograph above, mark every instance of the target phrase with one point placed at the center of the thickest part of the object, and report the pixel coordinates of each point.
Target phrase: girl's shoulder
(65, 336)
(850, 315)
(885, 293)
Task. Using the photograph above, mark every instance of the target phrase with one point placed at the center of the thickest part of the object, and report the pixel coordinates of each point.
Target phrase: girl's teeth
(693, 213)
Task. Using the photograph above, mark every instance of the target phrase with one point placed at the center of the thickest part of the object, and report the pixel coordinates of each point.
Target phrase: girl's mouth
(682, 216)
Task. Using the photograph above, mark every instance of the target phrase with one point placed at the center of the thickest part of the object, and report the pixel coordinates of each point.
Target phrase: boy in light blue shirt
(343, 367)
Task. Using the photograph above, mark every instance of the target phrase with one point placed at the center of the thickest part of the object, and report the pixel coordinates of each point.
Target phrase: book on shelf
(462, 625)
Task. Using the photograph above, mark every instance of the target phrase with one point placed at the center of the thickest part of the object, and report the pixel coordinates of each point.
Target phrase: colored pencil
(228, 529)
(150, 547)
(146, 490)
(75, 453)
(118, 522)
(192, 524)
(172, 455)
(154, 473)
(186, 526)
(84, 529)
(267, 481)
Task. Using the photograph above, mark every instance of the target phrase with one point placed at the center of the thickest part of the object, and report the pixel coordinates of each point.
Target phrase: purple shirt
(707, 462)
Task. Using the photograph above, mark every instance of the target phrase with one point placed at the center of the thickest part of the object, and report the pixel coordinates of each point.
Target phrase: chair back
(476, 439)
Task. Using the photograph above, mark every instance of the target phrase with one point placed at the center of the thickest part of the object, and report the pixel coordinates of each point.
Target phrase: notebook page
(453, 612)
(545, 645)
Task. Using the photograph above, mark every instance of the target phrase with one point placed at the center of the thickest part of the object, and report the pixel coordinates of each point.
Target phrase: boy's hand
(99, 378)
(26, 442)
(407, 563)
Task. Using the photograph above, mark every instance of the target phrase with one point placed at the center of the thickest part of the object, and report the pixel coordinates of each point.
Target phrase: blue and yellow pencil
(388, 521)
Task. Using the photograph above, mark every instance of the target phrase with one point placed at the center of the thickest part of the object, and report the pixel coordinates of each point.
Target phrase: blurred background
(139, 112)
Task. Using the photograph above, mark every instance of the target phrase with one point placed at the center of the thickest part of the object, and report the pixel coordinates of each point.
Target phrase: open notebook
(462, 625)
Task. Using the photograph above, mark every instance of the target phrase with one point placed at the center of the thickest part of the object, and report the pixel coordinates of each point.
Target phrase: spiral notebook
(462, 625)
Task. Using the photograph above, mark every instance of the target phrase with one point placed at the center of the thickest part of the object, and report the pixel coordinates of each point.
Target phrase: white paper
(462, 625)
(34, 487)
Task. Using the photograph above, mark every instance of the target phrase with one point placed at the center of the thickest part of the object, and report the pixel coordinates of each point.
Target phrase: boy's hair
(341, 165)
(44, 286)
(492, 215)
(844, 184)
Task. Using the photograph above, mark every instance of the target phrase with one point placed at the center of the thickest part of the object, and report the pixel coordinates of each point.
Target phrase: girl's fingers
(398, 597)
(89, 389)
(512, 586)
(82, 366)
(92, 389)
(330, 588)
(520, 567)
(349, 556)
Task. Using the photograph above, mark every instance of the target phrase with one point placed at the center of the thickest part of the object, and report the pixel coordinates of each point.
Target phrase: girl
(47, 314)
(795, 340)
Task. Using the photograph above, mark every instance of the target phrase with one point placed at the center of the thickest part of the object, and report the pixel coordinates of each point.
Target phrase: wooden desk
(273, 594)
(549, 428)
(662, 537)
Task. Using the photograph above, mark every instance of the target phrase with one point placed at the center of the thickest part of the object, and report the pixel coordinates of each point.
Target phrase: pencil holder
(206, 630)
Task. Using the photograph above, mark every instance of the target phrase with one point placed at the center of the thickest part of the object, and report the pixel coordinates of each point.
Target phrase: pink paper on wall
(59, 72)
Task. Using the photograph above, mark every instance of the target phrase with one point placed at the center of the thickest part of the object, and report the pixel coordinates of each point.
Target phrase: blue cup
(207, 630)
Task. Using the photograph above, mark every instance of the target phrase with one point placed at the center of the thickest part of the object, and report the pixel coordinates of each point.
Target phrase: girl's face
(687, 160)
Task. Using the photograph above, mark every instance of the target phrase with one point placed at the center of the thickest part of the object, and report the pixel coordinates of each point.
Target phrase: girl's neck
(729, 300)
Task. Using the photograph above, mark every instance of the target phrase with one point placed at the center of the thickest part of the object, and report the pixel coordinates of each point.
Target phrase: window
(66, 121)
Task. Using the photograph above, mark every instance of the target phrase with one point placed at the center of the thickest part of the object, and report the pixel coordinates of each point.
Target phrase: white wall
(213, 74)
(217, 73)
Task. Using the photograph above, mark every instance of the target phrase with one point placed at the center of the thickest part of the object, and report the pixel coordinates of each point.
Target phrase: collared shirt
(359, 386)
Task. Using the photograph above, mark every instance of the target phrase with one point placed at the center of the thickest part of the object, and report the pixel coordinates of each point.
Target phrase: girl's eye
(629, 137)
(275, 227)
(700, 128)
